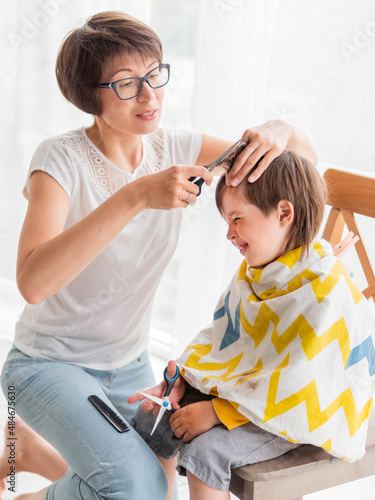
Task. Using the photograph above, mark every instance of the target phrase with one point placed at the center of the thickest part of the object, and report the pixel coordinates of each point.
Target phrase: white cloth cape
(292, 348)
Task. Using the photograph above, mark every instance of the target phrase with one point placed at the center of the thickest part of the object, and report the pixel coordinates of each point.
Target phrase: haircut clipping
(227, 163)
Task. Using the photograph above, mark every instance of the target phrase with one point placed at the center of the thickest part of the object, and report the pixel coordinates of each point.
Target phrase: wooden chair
(309, 469)
(351, 194)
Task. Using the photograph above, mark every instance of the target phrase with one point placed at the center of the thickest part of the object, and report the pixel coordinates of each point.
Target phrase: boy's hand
(195, 419)
(175, 396)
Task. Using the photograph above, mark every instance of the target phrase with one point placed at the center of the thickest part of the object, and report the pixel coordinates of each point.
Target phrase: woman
(100, 228)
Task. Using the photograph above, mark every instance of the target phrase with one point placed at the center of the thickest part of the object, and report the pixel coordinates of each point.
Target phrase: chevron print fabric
(291, 347)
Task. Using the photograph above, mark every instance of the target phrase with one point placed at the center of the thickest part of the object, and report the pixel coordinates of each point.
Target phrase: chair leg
(249, 491)
(262, 491)
(334, 227)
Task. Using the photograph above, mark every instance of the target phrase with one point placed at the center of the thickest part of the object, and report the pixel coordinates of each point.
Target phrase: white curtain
(235, 42)
(235, 64)
(233, 39)
(308, 62)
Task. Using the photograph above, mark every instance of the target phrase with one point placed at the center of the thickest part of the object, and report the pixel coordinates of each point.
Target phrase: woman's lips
(148, 115)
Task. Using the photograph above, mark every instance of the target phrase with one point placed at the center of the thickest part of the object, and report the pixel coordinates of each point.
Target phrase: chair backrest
(350, 194)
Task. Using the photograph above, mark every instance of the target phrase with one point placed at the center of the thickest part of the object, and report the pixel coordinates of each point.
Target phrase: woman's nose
(146, 93)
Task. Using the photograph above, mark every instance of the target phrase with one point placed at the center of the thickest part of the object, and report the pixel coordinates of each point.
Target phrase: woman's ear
(285, 212)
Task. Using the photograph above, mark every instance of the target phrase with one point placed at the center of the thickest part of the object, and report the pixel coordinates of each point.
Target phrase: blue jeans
(51, 397)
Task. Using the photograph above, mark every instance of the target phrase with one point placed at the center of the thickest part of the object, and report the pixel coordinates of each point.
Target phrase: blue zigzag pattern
(232, 333)
(363, 350)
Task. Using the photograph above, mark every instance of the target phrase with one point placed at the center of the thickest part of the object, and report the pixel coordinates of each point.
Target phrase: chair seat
(309, 464)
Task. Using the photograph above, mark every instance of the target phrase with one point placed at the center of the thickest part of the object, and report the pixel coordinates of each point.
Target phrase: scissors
(164, 403)
(233, 151)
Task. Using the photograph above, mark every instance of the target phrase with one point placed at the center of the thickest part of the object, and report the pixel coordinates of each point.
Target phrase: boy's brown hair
(292, 178)
(85, 50)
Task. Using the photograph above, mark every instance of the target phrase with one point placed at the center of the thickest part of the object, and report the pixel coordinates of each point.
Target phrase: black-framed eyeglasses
(127, 88)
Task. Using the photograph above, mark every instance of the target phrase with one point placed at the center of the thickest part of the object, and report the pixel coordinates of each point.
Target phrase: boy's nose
(231, 234)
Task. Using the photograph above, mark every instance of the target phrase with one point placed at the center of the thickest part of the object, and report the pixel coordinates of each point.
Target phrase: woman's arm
(49, 258)
(268, 141)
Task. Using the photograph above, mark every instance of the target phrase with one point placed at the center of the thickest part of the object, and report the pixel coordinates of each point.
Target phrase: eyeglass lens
(130, 87)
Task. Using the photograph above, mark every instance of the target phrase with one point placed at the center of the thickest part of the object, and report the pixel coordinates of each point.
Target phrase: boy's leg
(211, 456)
(52, 398)
(201, 491)
(169, 467)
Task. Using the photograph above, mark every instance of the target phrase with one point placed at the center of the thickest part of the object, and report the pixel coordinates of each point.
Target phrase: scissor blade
(156, 400)
(237, 146)
(159, 417)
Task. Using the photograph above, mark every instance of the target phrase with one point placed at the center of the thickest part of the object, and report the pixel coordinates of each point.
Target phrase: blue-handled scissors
(164, 403)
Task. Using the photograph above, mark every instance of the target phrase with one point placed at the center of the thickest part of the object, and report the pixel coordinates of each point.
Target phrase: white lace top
(101, 319)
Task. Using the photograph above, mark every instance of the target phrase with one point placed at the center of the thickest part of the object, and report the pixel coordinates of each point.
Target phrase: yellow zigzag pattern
(201, 350)
(322, 288)
(259, 329)
(309, 395)
(327, 445)
(242, 272)
(311, 343)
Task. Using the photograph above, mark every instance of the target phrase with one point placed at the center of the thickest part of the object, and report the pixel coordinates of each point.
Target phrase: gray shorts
(210, 456)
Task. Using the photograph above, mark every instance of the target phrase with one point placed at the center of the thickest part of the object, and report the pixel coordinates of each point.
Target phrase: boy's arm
(194, 419)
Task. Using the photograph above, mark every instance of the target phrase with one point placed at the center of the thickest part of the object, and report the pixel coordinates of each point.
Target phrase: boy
(284, 361)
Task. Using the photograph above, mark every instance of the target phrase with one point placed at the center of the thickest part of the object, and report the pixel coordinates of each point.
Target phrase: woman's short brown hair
(85, 50)
(292, 178)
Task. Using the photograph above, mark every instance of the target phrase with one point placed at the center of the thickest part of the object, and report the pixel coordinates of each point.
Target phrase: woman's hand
(266, 142)
(195, 419)
(171, 188)
(158, 391)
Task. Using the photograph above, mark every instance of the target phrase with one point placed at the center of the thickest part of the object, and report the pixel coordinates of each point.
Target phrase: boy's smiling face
(260, 238)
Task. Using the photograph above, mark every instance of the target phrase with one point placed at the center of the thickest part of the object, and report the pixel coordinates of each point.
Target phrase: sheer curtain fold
(257, 60)
(232, 60)
(234, 50)
(248, 61)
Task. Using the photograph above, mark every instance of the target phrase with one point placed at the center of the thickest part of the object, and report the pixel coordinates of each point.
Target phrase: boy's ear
(285, 212)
